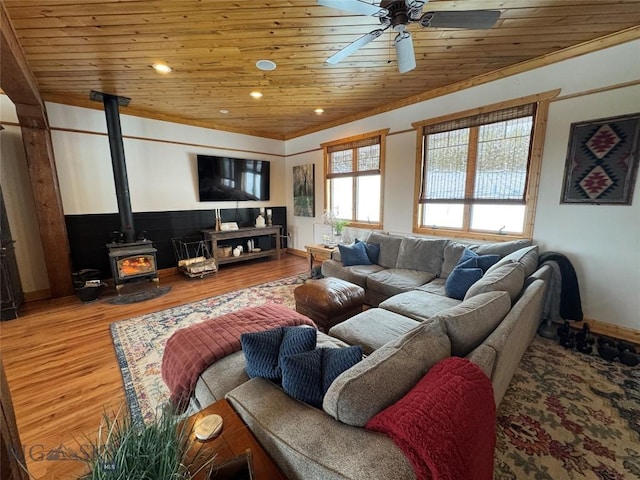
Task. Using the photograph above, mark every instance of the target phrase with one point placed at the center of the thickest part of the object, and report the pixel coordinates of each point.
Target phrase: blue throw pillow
(307, 376)
(372, 249)
(265, 350)
(354, 254)
(486, 261)
(462, 277)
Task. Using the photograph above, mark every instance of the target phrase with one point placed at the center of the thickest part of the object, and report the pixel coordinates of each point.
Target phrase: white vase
(260, 222)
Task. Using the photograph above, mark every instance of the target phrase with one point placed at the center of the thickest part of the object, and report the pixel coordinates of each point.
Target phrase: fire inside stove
(138, 265)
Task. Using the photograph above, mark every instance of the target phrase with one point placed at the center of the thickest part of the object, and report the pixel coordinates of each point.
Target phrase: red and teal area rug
(566, 415)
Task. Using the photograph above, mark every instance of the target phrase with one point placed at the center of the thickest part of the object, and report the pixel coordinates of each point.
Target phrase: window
(478, 172)
(354, 177)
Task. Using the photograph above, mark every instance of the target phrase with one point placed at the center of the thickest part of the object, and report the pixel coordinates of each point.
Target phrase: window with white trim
(475, 173)
(354, 173)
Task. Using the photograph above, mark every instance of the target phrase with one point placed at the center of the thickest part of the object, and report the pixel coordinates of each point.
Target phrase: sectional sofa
(412, 327)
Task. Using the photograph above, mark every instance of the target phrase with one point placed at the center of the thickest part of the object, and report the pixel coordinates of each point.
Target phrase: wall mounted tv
(232, 179)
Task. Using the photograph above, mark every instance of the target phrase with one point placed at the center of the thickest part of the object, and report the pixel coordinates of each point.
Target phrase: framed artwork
(602, 161)
(304, 204)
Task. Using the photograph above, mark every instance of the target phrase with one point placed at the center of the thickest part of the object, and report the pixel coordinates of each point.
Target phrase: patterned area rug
(139, 342)
(565, 415)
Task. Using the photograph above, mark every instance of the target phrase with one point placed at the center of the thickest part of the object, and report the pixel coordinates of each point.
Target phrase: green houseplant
(154, 451)
(339, 226)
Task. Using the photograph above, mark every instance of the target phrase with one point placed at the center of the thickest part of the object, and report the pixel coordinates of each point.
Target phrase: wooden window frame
(326, 147)
(533, 176)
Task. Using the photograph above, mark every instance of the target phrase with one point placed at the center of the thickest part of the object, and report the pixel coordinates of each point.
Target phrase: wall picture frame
(602, 161)
(304, 190)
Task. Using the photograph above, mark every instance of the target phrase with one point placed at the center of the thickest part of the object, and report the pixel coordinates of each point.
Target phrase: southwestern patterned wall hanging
(602, 161)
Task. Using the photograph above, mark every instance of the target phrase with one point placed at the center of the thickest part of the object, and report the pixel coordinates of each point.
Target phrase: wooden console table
(233, 441)
(215, 236)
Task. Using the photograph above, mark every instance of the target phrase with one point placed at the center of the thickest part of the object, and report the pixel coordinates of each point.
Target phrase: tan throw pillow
(508, 277)
(386, 375)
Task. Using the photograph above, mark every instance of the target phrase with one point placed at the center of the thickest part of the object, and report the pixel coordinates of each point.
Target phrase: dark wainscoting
(89, 234)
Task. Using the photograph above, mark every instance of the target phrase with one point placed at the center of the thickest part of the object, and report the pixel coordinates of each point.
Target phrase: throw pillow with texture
(372, 249)
(307, 376)
(265, 350)
(354, 254)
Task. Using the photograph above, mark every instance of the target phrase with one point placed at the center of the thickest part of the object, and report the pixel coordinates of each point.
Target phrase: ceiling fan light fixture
(162, 68)
(266, 65)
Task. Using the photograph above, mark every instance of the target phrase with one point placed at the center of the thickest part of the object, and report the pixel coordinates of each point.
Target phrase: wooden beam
(18, 82)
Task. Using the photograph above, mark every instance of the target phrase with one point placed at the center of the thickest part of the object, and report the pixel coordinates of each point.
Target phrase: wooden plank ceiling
(76, 46)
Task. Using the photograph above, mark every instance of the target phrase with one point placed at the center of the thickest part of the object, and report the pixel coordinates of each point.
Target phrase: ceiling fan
(397, 15)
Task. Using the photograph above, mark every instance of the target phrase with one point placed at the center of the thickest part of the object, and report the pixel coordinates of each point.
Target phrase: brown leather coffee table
(233, 441)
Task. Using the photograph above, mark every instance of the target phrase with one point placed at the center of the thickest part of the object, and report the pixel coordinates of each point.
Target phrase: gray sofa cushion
(421, 254)
(508, 277)
(434, 286)
(452, 253)
(386, 375)
(373, 328)
(418, 305)
(389, 248)
(527, 256)
(356, 274)
(471, 322)
(501, 248)
(393, 281)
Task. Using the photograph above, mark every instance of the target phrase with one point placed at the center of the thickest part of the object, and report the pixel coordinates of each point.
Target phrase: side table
(233, 441)
(318, 252)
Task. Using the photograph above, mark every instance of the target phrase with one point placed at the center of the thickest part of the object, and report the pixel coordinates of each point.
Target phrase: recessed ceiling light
(256, 94)
(266, 65)
(224, 111)
(162, 68)
(319, 111)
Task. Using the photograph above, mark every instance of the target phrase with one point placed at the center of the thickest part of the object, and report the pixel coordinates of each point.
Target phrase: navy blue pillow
(484, 261)
(372, 249)
(265, 350)
(307, 376)
(462, 277)
(354, 254)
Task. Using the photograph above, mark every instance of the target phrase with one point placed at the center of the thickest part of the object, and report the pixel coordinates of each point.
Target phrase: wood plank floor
(61, 365)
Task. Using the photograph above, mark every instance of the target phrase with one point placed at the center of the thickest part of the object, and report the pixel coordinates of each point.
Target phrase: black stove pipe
(116, 145)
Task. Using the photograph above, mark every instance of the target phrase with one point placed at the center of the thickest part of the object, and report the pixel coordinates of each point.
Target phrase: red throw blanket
(446, 424)
(190, 351)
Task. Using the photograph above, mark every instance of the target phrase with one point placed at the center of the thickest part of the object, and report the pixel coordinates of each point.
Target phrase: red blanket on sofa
(446, 424)
(189, 351)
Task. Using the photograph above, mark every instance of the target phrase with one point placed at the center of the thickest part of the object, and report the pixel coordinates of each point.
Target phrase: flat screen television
(232, 179)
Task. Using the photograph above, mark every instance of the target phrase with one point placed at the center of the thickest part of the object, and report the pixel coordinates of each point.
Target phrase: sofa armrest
(485, 357)
(308, 444)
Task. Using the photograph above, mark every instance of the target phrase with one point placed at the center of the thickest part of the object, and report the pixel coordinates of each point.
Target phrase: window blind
(356, 158)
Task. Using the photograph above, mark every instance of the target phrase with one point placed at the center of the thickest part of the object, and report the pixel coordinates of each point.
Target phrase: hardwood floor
(61, 365)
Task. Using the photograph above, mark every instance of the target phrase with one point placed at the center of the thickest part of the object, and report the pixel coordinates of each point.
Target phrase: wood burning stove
(132, 261)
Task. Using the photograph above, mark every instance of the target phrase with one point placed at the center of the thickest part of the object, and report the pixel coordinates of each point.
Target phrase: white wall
(161, 161)
(602, 242)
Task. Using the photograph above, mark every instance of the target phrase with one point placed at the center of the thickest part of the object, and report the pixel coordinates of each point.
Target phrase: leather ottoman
(328, 301)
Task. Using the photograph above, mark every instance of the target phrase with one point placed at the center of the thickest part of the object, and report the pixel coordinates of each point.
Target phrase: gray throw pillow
(501, 248)
(386, 375)
(527, 256)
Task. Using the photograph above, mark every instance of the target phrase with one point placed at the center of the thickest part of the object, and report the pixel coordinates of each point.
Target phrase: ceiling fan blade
(355, 6)
(473, 19)
(404, 52)
(353, 47)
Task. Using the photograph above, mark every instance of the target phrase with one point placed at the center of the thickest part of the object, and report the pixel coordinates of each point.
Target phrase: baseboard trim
(299, 253)
(37, 295)
(610, 330)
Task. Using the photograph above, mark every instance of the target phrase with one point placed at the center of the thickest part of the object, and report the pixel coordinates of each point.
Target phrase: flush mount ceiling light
(256, 94)
(266, 65)
(319, 111)
(224, 111)
(162, 68)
